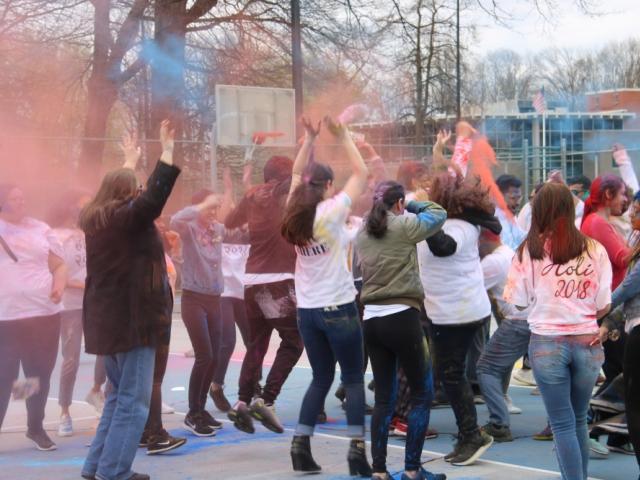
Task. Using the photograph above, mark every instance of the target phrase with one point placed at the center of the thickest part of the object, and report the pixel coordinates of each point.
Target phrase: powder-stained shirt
(454, 285)
(495, 268)
(235, 252)
(564, 299)
(75, 258)
(26, 284)
(202, 252)
(323, 277)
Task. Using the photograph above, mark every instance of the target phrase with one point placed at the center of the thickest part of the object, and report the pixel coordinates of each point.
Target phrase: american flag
(539, 103)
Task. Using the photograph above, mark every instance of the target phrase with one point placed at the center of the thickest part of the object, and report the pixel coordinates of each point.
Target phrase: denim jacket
(628, 292)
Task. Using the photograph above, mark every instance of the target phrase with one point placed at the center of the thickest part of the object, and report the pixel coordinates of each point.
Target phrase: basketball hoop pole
(296, 60)
(213, 158)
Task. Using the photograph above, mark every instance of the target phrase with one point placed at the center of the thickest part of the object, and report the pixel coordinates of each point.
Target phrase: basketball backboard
(244, 111)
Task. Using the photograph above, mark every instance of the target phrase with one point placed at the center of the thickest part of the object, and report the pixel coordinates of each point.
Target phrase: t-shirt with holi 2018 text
(323, 277)
(564, 299)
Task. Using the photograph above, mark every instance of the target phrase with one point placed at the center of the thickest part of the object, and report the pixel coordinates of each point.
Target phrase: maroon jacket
(262, 209)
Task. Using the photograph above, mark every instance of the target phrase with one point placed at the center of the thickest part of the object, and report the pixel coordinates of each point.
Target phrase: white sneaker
(167, 408)
(65, 428)
(96, 399)
(525, 377)
(513, 410)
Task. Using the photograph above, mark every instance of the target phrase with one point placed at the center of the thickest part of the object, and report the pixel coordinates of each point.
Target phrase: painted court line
(428, 452)
(439, 455)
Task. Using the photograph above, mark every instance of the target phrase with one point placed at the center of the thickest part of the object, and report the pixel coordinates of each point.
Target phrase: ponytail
(300, 213)
(385, 197)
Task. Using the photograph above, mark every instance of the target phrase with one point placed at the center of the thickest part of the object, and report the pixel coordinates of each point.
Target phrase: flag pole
(544, 144)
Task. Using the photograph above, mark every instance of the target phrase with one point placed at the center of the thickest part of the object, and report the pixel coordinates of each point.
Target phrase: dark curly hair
(457, 194)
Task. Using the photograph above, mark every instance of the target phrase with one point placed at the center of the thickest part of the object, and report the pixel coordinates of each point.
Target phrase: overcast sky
(568, 28)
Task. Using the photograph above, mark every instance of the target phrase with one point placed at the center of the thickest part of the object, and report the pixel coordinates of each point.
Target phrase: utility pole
(458, 81)
(296, 60)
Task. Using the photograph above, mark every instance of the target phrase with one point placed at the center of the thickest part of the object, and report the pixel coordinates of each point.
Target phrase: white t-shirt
(454, 286)
(234, 263)
(75, 258)
(495, 268)
(323, 276)
(564, 299)
(26, 284)
(373, 311)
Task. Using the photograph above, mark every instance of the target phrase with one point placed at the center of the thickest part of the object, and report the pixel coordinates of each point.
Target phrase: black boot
(357, 458)
(301, 455)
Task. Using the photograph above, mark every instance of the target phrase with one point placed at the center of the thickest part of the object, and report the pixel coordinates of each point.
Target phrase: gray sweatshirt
(202, 252)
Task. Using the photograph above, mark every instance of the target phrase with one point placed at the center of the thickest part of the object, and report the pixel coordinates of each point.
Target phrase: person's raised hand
(617, 146)
(338, 130)
(555, 176)
(310, 131)
(167, 136)
(620, 155)
(258, 138)
(131, 150)
(442, 138)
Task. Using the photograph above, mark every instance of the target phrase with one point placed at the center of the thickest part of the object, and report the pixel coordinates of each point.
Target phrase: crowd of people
(406, 274)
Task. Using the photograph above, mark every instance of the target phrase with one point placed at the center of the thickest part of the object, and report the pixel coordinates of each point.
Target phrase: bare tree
(108, 74)
(425, 30)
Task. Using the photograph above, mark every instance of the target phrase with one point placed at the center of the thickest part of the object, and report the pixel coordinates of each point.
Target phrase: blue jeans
(124, 415)
(329, 335)
(566, 369)
(507, 345)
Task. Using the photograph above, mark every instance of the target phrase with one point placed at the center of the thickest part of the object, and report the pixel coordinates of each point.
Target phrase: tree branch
(198, 9)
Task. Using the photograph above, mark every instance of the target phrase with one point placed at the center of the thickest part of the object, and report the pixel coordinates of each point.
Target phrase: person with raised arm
(127, 303)
(269, 294)
(392, 295)
(315, 223)
(202, 284)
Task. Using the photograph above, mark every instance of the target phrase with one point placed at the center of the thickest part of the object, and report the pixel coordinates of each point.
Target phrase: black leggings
(632, 387)
(233, 313)
(392, 340)
(452, 343)
(154, 420)
(201, 316)
(32, 342)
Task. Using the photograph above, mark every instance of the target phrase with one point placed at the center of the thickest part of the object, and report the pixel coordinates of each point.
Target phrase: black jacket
(127, 299)
(442, 245)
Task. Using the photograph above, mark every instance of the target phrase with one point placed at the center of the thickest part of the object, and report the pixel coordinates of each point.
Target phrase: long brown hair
(300, 213)
(117, 188)
(553, 219)
(456, 194)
